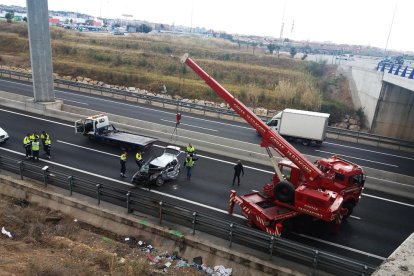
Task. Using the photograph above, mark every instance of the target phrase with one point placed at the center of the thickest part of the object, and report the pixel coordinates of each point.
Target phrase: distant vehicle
(157, 171)
(98, 128)
(3, 136)
(392, 60)
(345, 57)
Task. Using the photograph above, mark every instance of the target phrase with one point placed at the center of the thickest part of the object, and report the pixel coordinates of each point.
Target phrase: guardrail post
(315, 261)
(70, 178)
(45, 170)
(160, 211)
(128, 195)
(98, 192)
(272, 242)
(194, 221)
(365, 272)
(21, 168)
(231, 234)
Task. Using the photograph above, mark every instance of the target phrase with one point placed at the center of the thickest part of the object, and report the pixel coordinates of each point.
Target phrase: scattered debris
(53, 218)
(164, 260)
(5, 232)
(21, 202)
(198, 260)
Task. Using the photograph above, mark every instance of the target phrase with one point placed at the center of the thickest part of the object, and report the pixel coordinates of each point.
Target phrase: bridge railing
(168, 102)
(396, 69)
(197, 221)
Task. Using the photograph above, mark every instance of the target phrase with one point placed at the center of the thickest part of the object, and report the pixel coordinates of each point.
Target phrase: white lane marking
(227, 162)
(128, 184)
(355, 217)
(378, 152)
(391, 165)
(33, 117)
(183, 124)
(154, 110)
(394, 182)
(211, 158)
(341, 246)
(74, 145)
(390, 200)
(71, 101)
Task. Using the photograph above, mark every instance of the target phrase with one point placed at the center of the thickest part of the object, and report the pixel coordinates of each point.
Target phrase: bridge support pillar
(40, 50)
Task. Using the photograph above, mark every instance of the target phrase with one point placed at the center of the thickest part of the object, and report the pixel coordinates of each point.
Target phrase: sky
(359, 22)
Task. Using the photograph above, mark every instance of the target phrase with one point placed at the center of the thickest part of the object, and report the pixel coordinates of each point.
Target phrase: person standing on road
(123, 163)
(35, 149)
(189, 164)
(138, 159)
(47, 145)
(190, 150)
(238, 168)
(27, 144)
(44, 136)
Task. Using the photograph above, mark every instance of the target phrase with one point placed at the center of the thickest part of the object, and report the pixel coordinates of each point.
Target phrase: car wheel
(159, 181)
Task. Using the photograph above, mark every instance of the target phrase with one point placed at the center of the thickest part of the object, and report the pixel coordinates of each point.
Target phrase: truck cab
(92, 124)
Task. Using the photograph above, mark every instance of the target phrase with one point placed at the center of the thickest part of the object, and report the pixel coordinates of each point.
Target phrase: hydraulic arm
(270, 138)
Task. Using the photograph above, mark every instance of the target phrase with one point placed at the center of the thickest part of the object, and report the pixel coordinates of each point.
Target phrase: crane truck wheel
(284, 191)
(349, 207)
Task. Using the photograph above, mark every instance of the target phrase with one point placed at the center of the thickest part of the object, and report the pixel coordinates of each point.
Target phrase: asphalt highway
(366, 156)
(379, 224)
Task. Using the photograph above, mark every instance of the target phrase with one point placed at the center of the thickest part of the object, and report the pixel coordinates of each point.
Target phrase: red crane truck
(328, 189)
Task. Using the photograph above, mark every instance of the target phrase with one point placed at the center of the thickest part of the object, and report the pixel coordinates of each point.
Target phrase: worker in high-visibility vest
(27, 144)
(189, 164)
(44, 136)
(32, 137)
(47, 145)
(123, 163)
(138, 159)
(190, 150)
(35, 149)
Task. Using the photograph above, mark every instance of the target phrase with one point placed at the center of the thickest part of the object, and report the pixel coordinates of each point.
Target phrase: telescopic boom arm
(270, 138)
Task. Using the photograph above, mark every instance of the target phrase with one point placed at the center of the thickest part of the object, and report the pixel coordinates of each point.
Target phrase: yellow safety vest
(32, 137)
(35, 146)
(189, 162)
(123, 157)
(48, 142)
(138, 157)
(26, 140)
(44, 137)
(190, 149)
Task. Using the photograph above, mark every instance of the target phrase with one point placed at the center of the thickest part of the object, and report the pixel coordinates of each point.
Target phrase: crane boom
(270, 138)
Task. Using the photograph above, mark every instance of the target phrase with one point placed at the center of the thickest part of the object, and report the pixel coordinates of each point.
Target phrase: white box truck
(306, 126)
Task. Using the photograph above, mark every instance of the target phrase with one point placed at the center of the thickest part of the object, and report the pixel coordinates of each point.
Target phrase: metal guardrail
(396, 69)
(377, 139)
(197, 221)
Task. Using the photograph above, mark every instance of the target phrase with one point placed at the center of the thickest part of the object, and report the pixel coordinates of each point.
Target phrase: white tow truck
(98, 128)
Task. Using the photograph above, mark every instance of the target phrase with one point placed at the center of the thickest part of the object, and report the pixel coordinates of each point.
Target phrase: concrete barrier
(400, 262)
(388, 182)
(244, 261)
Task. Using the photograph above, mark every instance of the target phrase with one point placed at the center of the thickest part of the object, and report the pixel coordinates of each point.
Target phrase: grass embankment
(46, 242)
(151, 61)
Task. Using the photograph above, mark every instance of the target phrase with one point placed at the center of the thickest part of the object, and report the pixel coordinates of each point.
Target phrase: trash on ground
(5, 232)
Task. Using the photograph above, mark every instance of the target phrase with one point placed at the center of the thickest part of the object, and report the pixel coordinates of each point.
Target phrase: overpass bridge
(385, 93)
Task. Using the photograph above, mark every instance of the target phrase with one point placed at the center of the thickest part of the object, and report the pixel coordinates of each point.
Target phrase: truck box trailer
(307, 126)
